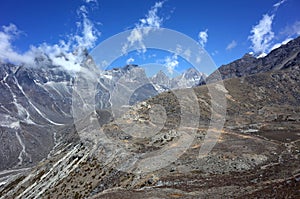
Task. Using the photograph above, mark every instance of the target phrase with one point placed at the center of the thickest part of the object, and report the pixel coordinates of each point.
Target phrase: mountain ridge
(279, 58)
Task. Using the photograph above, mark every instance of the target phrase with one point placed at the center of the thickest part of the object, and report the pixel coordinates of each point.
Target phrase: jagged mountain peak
(192, 73)
(160, 73)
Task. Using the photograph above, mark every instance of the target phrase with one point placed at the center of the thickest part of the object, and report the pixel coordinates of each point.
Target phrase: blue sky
(226, 29)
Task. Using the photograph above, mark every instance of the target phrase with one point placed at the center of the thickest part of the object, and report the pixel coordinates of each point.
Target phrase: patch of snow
(250, 131)
(9, 122)
(23, 152)
(108, 76)
(2, 183)
(35, 108)
(4, 78)
(261, 55)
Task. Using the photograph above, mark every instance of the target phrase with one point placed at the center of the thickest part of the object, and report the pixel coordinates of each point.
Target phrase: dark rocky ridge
(283, 57)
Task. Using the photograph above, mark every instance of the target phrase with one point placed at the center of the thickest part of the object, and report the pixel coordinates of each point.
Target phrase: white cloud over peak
(203, 36)
(231, 45)
(65, 53)
(146, 24)
(262, 34)
(7, 51)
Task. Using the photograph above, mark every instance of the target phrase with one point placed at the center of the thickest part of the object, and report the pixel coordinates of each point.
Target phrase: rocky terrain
(256, 154)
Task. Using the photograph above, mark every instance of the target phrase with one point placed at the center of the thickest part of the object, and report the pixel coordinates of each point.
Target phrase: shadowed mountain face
(256, 154)
(34, 105)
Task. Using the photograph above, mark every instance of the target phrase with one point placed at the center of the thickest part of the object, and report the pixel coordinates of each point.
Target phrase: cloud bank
(7, 51)
(66, 53)
(262, 36)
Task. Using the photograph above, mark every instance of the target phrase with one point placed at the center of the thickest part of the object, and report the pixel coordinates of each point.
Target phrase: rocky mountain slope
(278, 59)
(256, 152)
(34, 108)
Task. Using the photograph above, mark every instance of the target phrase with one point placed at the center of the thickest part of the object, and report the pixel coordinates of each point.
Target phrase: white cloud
(82, 10)
(7, 51)
(276, 5)
(151, 21)
(135, 38)
(12, 28)
(203, 37)
(171, 63)
(231, 45)
(262, 34)
(129, 61)
(88, 36)
(66, 53)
